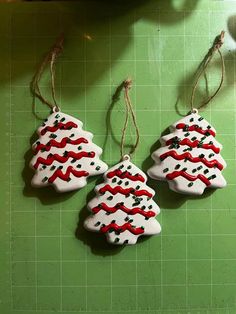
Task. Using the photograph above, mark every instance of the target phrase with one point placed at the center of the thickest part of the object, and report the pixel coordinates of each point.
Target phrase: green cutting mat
(44, 267)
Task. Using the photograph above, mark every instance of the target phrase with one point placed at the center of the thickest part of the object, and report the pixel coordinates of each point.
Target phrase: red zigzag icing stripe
(59, 126)
(126, 226)
(118, 189)
(195, 128)
(125, 174)
(119, 206)
(188, 156)
(59, 174)
(49, 160)
(188, 176)
(194, 144)
(62, 144)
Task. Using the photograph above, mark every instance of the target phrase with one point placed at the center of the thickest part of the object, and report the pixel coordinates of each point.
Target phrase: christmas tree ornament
(189, 158)
(64, 154)
(123, 208)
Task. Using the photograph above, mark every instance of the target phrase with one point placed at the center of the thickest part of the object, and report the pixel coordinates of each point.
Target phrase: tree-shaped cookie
(64, 155)
(123, 208)
(189, 158)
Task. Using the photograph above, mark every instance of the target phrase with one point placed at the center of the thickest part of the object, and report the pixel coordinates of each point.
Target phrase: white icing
(85, 162)
(162, 168)
(151, 226)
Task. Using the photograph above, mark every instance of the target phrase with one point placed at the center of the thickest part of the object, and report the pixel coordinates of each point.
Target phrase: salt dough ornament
(124, 208)
(64, 154)
(189, 158)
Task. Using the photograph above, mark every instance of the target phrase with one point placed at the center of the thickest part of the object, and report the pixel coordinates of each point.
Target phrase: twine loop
(49, 60)
(127, 84)
(218, 42)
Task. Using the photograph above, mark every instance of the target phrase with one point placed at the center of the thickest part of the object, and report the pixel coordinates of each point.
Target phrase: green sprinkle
(60, 167)
(97, 223)
(193, 138)
(79, 147)
(190, 184)
(186, 128)
(211, 155)
(78, 166)
(45, 179)
(150, 206)
(44, 166)
(98, 168)
(199, 168)
(53, 135)
(201, 156)
(92, 163)
(72, 135)
(200, 119)
(194, 170)
(127, 183)
(116, 240)
(177, 166)
(113, 180)
(73, 160)
(165, 170)
(206, 171)
(110, 198)
(121, 166)
(126, 241)
(191, 120)
(53, 167)
(137, 187)
(129, 167)
(57, 116)
(186, 134)
(63, 119)
(143, 207)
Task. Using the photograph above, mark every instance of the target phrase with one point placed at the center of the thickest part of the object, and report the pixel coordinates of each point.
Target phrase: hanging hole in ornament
(194, 110)
(56, 109)
(126, 157)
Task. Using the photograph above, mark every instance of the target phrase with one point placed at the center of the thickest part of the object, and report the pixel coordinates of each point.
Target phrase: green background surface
(44, 266)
